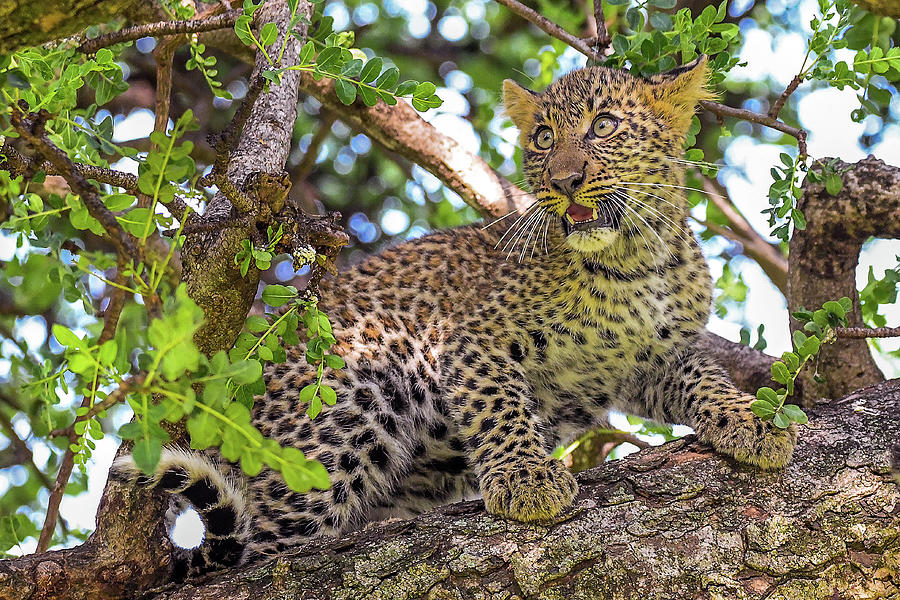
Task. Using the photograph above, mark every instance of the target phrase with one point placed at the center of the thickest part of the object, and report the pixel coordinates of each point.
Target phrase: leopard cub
(466, 366)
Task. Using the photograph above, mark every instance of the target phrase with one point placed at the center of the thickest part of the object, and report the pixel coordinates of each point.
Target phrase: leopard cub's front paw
(738, 432)
(529, 490)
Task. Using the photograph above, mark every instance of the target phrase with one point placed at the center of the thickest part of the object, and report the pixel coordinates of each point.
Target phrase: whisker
(513, 211)
(656, 211)
(669, 185)
(515, 239)
(530, 233)
(514, 223)
(649, 227)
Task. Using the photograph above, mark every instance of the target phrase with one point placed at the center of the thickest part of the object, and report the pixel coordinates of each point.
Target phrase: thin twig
(722, 111)
(116, 303)
(552, 29)
(221, 21)
(31, 127)
(111, 320)
(23, 450)
(68, 461)
(223, 145)
(601, 39)
(858, 333)
(18, 164)
(779, 103)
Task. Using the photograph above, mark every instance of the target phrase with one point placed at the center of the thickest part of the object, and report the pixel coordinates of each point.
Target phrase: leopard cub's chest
(603, 330)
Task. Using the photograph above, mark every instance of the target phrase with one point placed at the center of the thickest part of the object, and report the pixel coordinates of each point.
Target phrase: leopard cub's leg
(495, 416)
(695, 391)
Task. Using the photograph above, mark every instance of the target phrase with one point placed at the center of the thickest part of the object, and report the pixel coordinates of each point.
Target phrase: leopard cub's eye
(543, 138)
(604, 125)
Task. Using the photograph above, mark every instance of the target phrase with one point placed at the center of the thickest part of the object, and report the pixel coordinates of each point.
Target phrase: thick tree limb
(824, 258)
(671, 522)
(400, 129)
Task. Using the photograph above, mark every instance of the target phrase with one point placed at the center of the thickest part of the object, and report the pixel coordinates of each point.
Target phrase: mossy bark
(30, 23)
(666, 523)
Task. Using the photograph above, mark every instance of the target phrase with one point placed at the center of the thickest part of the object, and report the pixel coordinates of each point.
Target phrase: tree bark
(28, 23)
(671, 522)
(130, 548)
(823, 261)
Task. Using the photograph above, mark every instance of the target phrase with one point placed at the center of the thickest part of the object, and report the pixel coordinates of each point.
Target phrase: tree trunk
(671, 522)
(823, 261)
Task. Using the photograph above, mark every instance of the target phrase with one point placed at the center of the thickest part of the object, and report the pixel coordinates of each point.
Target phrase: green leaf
(781, 421)
(791, 360)
(329, 396)
(795, 413)
(204, 430)
(762, 409)
(833, 184)
(268, 34)
(346, 91)
(244, 372)
(276, 295)
(799, 338)
(256, 324)
(371, 70)
(146, 454)
(768, 395)
(780, 372)
(835, 308)
(334, 361)
(307, 53)
(810, 347)
(308, 392)
(65, 337)
(388, 80)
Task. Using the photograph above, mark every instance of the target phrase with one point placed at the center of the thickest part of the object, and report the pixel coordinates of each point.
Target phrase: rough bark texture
(130, 550)
(213, 280)
(824, 258)
(30, 23)
(670, 522)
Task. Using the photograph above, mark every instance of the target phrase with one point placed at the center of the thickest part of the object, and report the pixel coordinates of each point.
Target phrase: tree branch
(859, 333)
(669, 522)
(723, 111)
(824, 257)
(768, 256)
(31, 128)
(162, 28)
(554, 30)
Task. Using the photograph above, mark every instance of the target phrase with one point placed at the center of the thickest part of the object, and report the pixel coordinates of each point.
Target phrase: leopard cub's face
(600, 146)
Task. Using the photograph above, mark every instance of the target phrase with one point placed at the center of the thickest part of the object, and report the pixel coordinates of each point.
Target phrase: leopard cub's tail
(195, 479)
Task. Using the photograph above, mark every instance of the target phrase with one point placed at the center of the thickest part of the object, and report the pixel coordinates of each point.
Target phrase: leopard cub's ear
(520, 104)
(676, 93)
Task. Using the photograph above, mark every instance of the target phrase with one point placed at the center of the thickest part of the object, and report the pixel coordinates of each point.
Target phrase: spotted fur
(465, 367)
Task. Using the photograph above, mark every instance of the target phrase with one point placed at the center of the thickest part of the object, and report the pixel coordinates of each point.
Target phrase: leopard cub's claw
(530, 490)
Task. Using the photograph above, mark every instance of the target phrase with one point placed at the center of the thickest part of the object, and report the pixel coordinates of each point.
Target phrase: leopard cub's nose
(568, 184)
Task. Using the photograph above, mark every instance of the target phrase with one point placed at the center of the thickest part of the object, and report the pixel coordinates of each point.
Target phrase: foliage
(58, 274)
(769, 403)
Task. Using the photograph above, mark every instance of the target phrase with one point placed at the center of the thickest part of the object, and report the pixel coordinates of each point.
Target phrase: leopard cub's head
(600, 146)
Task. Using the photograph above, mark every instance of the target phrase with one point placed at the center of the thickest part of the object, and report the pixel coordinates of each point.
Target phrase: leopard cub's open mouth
(583, 218)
